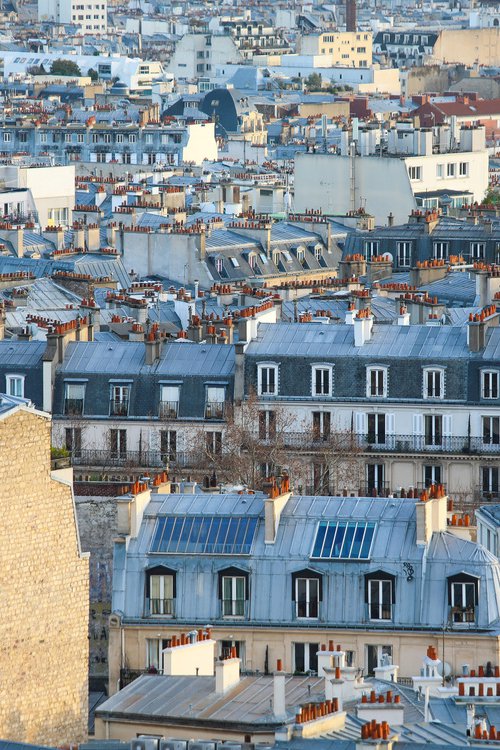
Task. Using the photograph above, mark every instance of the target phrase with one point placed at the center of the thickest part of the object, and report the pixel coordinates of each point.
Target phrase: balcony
(160, 607)
(169, 409)
(214, 410)
(116, 458)
(73, 407)
(237, 608)
(118, 408)
(462, 616)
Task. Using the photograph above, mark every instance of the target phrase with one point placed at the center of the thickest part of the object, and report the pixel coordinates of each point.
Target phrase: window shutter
(447, 425)
(390, 424)
(360, 422)
(418, 424)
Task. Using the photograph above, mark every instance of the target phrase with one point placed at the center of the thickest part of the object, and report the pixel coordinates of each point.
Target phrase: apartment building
(277, 576)
(399, 172)
(105, 142)
(91, 16)
(343, 48)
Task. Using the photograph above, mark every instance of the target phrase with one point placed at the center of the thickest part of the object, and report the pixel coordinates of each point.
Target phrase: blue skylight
(204, 535)
(343, 540)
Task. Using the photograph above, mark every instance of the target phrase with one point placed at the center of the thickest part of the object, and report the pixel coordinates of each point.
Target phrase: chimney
(350, 15)
(363, 325)
(404, 316)
(477, 326)
(279, 696)
(273, 508)
(333, 685)
(227, 673)
(350, 313)
(431, 514)
(390, 220)
(152, 345)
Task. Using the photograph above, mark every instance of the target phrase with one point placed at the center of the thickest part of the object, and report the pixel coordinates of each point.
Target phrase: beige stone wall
(44, 593)
(468, 46)
(408, 648)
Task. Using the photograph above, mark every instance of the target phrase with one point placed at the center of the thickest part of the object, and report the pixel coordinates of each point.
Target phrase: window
(43, 137)
(169, 401)
(432, 475)
(73, 441)
(7, 137)
(168, 445)
(211, 535)
(306, 593)
(404, 254)
(267, 380)
(74, 397)
(119, 400)
(119, 138)
(379, 595)
(321, 381)
(433, 383)
(79, 137)
(451, 169)
(375, 477)
(321, 425)
(23, 137)
(233, 595)
(15, 385)
(440, 171)
(132, 138)
(433, 429)
(154, 648)
(491, 430)
(463, 168)
(371, 248)
(489, 384)
(305, 657)
(213, 443)
(215, 401)
(347, 540)
(160, 591)
(489, 479)
(376, 381)
(477, 250)
(118, 443)
(376, 429)
(219, 265)
(463, 598)
(267, 425)
(440, 250)
(415, 173)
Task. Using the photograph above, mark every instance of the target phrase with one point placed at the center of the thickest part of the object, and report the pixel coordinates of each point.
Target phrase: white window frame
(451, 169)
(308, 600)
(463, 168)
(379, 584)
(494, 377)
(372, 248)
(440, 250)
(307, 653)
(478, 250)
(384, 378)
(260, 370)
(433, 371)
(490, 424)
(403, 251)
(415, 172)
(463, 617)
(163, 587)
(326, 370)
(10, 380)
(236, 605)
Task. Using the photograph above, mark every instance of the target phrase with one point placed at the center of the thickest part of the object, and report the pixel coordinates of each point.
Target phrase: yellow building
(352, 49)
(45, 588)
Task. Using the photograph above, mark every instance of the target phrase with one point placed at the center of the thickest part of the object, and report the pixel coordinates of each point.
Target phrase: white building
(200, 54)
(91, 15)
(52, 190)
(415, 163)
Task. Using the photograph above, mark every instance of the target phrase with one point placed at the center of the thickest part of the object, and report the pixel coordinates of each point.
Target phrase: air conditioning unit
(201, 745)
(172, 744)
(145, 743)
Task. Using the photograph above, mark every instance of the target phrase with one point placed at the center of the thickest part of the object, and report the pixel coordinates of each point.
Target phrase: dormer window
(433, 382)
(169, 401)
(267, 379)
(14, 385)
(321, 380)
(489, 384)
(463, 598)
(215, 401)
(120, 395)
(160, 591)
(376, 382)
(74, 397)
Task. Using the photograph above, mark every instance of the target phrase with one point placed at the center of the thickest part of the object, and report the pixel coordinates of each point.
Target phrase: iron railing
(73, 406)
(165, 607)
(169, 409)
(118, 408)
(214, 410)
(234, 608)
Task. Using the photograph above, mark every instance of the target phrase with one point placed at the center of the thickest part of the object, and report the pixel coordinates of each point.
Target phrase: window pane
(318, 544)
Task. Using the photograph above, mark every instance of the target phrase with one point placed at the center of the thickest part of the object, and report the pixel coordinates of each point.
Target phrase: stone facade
(44, 580)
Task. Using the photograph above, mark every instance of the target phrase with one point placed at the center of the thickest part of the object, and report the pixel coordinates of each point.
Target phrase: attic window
(263, 257)
(234, 262)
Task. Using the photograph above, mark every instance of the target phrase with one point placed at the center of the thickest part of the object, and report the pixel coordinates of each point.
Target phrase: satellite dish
(447, 669)
(388, 256)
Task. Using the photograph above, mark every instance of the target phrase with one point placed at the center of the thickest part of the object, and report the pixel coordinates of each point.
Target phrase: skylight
(204, 535)
(343, 540)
